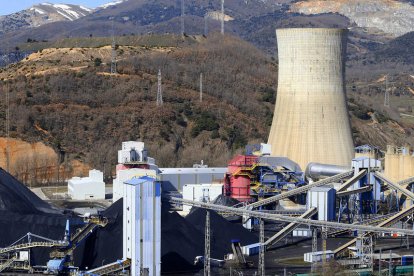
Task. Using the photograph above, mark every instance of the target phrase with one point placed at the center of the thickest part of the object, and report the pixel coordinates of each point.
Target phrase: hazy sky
(11, 6)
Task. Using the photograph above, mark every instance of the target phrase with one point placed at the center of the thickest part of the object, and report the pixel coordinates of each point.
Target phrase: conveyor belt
(300, 190)
(372, 221)
(406, 181)
(31, 245)
(352, 180)
(390, 221)
(276, 217)
(6, 264)
(355, 191)
(110, 268)
(289, 228)
(395, 186)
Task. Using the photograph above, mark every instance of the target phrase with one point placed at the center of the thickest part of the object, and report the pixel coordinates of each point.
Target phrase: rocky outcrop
(389, 16)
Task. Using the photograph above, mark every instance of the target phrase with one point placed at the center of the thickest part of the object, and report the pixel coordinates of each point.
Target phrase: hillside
(41, 14)
(66, 98)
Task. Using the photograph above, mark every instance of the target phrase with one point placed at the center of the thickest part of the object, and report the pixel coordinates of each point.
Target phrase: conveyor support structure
(299, 190)
(289, 228)
(390, 221)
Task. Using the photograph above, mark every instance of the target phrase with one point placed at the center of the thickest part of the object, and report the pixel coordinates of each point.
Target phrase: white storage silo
(142, 225)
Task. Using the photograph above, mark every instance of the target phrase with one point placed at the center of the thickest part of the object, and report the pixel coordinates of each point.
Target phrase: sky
(11, 6)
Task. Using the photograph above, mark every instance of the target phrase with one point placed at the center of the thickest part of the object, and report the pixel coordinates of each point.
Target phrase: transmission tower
(207, 246)
(262, 249)
(159, 90)
(8, 127)
(205, 24)
(222, 17)
(113, 54)
(201, 87)
(365, 250)
(324, 238)
(387, 93)
(182, 18)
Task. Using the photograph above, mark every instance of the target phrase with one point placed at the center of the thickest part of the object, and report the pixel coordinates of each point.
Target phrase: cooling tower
(310, 122)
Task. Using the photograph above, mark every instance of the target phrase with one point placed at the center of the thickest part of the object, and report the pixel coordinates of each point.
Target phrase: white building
(85, 188)
(201, 192)
(123, 175)
(142, 225)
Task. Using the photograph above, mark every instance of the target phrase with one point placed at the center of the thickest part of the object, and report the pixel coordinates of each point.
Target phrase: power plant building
(310, 122)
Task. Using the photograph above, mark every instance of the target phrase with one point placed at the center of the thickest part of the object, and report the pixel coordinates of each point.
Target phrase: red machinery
(238, 177)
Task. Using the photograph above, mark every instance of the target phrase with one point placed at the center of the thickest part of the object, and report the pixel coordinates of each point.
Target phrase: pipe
(317, 171)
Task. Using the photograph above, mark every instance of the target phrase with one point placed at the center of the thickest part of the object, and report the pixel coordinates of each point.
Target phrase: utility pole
(387, 93)
(113, 54)
(159, 90)
(222, 16)
(262, 250)
(201, 87)
(207, 245)
(182, 18)
(8, 127)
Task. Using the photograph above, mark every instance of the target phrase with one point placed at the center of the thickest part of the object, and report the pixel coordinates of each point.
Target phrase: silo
(310, 122)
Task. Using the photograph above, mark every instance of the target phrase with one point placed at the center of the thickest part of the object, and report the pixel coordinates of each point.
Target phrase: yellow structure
(311, 122)
(398, 163)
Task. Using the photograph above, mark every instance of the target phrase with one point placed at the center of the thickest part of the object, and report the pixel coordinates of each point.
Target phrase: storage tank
(238, 177)
(311, 122)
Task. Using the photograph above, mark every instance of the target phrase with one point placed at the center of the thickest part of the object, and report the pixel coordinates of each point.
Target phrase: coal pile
(16, 197)
(222, 231)
(21, 211)
(225, 201)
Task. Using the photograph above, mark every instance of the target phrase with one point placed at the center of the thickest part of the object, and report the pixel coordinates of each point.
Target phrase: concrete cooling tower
(310, 122)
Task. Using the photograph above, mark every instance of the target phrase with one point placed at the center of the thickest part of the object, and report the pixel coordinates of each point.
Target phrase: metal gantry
(314, 247)
(207, 268)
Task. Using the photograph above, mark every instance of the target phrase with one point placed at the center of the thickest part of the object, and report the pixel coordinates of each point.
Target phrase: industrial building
(308, 191)
(87, 188)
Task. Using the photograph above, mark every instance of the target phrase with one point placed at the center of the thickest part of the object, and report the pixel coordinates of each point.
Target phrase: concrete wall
(310, 122)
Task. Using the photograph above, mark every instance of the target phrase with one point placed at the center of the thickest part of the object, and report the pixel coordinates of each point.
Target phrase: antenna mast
(222, 16)
(159, 90)
(113, 58)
